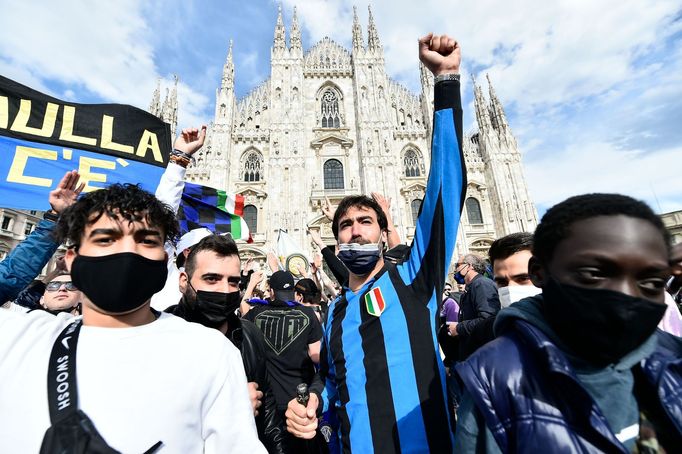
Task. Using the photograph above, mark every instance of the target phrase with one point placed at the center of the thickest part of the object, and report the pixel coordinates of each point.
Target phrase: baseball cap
(307, 286)
(188, 240)
(282, 283)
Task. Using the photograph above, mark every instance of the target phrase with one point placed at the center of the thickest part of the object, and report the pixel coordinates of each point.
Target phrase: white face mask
(513, 293)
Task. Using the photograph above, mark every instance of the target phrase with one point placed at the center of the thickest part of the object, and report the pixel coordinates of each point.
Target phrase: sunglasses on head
(56, 285)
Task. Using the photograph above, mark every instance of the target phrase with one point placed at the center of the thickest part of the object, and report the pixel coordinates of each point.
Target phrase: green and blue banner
(41, 138)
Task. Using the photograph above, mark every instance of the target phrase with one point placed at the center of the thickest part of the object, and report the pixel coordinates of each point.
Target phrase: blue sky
(593, 90)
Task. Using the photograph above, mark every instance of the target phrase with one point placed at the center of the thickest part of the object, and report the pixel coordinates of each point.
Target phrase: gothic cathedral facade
(329, 122)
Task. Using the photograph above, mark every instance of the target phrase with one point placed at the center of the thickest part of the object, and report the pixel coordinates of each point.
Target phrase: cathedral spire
(497, 111)
(228, 71)
(280, 41)
(295, 38)
(171, 115)
(373, 42)
(155, 105)
(425, 76)
(358, 40)
(482, 115)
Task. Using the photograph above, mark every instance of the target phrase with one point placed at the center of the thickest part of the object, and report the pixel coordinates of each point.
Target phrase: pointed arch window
(412, 164)
(416, 205)
(474, 211)
(251, 217)
(333, 174)
(252, 167)
(331, 117)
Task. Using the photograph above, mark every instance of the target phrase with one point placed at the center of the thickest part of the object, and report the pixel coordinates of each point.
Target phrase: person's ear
(42, 301)
(537, 272)
(184, 282)
(69, 256)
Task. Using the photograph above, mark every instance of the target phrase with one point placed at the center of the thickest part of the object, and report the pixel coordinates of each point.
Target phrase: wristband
(51, 215)
(444, 77)
(182, 154)
(181, 161)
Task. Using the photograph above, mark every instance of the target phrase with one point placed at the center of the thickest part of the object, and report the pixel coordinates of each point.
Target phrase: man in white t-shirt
(142, 377)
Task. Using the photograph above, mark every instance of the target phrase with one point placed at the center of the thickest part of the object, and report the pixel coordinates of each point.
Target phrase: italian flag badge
(374, 301)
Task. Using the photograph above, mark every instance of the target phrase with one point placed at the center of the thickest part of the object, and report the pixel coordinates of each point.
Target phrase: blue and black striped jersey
(381, 363)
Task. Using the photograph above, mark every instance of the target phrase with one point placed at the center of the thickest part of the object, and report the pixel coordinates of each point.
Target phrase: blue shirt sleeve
(437, 224)
(25, 262)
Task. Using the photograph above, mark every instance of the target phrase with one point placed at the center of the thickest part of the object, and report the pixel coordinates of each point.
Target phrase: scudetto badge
(375, 302)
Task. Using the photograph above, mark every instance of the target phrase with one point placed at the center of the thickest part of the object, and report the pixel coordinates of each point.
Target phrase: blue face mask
(459, 277)
(360, 259)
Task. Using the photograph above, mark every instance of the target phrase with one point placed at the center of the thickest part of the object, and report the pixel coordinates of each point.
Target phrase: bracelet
(182, 154)
(50, 215)
(181, 161)
(444, 77)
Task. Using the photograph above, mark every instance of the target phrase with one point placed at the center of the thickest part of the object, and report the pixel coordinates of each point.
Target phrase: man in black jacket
(479, 302)
(210, 288)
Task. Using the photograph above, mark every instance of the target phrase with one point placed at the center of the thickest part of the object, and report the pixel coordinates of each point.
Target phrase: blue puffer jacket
(26, 261)
(532, 401)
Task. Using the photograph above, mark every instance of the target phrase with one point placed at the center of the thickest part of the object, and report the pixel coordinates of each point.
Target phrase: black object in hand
(302, 394)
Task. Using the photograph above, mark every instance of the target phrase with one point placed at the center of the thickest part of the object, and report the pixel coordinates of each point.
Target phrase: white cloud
(100, 52)
(543, 51)
(600, 167)
(590, 86)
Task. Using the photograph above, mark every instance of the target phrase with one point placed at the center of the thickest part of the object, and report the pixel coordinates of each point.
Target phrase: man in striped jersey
(382, 369)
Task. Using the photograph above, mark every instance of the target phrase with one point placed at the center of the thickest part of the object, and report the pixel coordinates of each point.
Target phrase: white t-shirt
(170, 381)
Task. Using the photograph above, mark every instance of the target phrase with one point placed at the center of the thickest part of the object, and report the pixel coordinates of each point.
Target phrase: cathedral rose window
(330, 110)
(412, 164)
(252, 166)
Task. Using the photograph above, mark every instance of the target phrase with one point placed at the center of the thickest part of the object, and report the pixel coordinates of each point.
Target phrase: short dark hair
(128, 202)
(358, 201)
(222, 245)
(555, 225)
(509, 245)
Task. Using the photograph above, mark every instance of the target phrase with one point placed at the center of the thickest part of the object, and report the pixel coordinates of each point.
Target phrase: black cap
(307, 287)
(282, 282)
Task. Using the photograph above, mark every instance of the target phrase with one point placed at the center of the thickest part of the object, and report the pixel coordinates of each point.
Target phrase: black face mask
(118, 283)
(213, 309)
(600, 326)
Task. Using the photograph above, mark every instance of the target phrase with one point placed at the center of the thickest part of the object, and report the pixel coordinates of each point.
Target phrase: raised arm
(256, 279)
(436, 230)
(385, 204)
(26, 261)
(172, 181)
(335, 265)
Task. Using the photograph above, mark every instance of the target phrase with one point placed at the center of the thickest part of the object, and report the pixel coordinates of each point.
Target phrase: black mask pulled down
(600, 326)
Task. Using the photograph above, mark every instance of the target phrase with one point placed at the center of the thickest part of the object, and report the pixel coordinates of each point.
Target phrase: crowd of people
(565, 339)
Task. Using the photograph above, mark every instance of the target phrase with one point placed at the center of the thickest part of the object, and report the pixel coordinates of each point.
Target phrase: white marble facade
(330, 122)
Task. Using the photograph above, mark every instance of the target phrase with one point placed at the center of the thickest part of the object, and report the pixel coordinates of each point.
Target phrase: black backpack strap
(62, 392)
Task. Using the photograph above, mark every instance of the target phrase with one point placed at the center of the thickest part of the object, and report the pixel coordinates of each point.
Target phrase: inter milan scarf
(218, 211)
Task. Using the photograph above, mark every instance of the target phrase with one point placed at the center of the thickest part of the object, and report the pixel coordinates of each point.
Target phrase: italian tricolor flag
(374, 301)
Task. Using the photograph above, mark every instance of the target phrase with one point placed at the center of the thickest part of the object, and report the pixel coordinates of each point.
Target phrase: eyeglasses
(56, 285)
